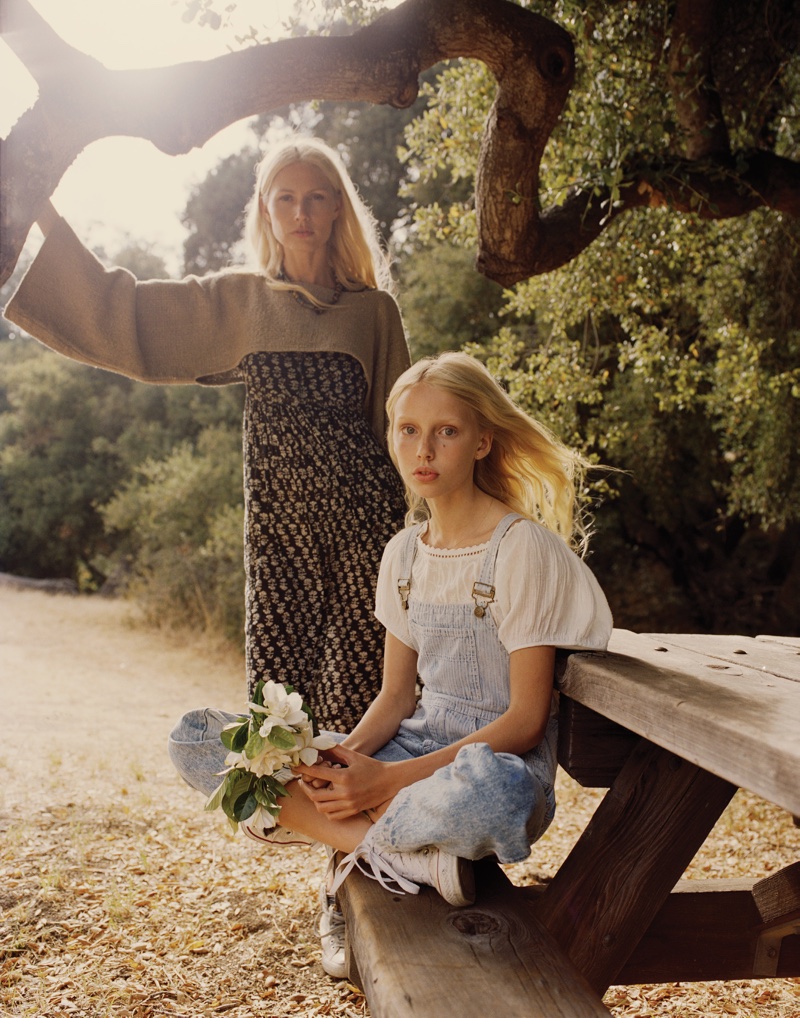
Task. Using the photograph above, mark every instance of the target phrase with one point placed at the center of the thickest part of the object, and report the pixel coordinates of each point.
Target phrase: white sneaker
(275, 835)
(330, 927)
(451, 876)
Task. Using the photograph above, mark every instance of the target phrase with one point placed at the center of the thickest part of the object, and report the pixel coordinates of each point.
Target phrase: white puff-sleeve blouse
(545, 595)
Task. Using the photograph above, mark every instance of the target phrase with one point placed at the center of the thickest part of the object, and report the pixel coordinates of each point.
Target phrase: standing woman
(317, 340)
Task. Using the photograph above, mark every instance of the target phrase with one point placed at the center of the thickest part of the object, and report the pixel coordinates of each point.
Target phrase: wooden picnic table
(672, 725)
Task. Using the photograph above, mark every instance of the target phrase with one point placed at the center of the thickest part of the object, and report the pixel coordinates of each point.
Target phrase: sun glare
(122, 187)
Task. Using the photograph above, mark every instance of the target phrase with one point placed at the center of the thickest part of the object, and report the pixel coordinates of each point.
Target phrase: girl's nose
(425, 448)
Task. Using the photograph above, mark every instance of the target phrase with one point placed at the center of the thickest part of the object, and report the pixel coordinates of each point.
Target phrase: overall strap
(483, 590)
(407, 555)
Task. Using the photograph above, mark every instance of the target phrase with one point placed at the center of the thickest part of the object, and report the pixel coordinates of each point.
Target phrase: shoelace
(336, 920)
(374, 865)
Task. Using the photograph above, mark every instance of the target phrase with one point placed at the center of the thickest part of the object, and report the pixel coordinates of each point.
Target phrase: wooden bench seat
(415, 956)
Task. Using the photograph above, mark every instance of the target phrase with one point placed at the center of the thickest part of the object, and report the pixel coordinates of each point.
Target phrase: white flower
(261, 820)
(309, 751)
(282, 709)
(296, 744)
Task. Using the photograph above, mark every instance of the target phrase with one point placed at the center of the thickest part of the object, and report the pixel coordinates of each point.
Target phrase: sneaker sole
(456, 883)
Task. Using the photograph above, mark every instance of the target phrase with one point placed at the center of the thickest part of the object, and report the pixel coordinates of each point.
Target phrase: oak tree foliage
(627, 175)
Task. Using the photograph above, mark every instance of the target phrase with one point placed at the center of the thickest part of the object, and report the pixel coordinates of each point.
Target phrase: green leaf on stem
(234, 736)
(281, 738)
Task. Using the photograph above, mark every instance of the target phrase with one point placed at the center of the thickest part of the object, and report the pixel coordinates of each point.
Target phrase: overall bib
(483, 803)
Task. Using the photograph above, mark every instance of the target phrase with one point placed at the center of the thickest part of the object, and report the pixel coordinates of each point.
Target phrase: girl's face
(301, 208)
(436, 442)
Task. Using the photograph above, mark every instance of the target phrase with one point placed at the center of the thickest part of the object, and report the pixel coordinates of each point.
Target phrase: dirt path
(111, 689)
(121, 896)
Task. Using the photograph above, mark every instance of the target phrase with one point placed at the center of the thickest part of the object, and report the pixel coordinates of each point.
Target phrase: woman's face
(301, 208)
(436, 441)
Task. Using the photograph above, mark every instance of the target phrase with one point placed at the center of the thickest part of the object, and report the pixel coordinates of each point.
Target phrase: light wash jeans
(483, 803)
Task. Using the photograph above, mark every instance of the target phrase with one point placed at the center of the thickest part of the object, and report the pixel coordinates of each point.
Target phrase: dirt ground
(120, 896)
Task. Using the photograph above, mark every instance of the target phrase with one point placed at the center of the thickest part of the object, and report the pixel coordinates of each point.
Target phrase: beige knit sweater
(197, 329)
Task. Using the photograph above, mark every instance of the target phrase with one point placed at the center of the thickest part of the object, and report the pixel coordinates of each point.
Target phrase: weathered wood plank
(418, 957)
(787, 641)
(732, 717)
(778, 895)
(635, 848)
(706, 929)
(591, 749)
(778, 657)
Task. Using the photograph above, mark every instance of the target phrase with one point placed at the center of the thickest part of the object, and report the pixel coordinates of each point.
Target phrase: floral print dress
(322, 500)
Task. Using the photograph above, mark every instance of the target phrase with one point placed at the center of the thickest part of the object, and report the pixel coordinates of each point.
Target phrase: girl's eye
(448, 432)
(406, 429)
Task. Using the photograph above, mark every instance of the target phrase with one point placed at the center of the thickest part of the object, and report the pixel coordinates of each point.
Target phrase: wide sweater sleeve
(153, 330)
(197, 328)
(392, 358)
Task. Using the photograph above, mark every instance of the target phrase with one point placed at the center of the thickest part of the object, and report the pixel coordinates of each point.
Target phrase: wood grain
(706, 929)
(418, 957)
(635, 848)
(729, 704)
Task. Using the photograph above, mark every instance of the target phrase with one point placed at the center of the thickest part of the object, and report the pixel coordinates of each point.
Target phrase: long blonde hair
(354, 248)
(528, 467)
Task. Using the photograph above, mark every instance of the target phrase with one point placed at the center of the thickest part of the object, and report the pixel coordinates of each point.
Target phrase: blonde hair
(355, 253)
(528, 467)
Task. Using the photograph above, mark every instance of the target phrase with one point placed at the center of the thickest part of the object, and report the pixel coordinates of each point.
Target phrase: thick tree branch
(707, 189)
(532, 59)
(181, 107)
(695, 27)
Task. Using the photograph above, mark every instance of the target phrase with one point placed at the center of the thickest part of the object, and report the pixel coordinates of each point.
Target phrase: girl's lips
(425, 475)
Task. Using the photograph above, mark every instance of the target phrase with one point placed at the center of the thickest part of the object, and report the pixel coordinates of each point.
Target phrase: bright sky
(125, 186)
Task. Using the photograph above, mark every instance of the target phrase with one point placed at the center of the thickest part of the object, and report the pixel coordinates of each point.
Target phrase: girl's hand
(347, 783)
(320, 782)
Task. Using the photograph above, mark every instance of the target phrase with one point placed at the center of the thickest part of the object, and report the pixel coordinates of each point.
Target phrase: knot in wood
(556, 64)
(477, 924)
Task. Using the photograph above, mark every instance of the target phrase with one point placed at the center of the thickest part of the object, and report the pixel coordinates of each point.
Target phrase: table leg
(640, 840)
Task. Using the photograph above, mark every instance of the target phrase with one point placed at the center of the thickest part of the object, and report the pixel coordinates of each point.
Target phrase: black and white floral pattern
(322, 500)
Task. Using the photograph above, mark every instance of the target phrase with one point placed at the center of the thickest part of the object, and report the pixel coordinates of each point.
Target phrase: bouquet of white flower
(278, 734)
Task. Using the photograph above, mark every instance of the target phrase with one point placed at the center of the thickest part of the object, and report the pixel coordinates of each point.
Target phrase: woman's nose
(425, 448)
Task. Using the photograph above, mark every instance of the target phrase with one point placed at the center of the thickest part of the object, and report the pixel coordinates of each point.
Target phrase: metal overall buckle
(483, 596)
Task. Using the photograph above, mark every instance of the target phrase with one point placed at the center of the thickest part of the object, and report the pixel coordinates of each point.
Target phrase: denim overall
(483, 803)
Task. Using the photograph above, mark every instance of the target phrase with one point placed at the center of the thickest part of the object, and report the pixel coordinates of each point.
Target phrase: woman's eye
(448, 432)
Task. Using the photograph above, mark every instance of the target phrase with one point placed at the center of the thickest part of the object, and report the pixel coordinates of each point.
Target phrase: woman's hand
(346, 783)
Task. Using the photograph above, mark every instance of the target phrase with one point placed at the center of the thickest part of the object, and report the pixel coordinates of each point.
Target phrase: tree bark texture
(532, 59)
